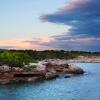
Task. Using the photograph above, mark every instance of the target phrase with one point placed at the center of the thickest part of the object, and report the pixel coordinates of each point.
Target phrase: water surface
(85, 87)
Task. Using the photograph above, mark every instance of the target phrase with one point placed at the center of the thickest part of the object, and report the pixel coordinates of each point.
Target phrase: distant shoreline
(75, 60)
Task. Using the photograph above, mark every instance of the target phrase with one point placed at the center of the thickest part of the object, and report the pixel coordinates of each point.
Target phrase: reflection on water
(85, 87)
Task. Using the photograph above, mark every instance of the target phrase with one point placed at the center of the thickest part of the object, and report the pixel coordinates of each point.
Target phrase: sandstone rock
(50, 75)
(49, 71)
(65, 68)
(74, 70)
(4, 81)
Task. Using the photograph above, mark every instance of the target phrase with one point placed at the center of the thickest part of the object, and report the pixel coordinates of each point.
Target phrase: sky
(50, 24)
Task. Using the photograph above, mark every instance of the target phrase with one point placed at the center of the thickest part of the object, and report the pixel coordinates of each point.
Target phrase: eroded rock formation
(51, 71)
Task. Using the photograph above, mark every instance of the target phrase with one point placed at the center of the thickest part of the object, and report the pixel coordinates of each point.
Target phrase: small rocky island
(18, 66)
(37, 72)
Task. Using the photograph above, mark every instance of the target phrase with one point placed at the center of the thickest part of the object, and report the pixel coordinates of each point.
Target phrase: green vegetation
(57, 54)
(18, 58)
(14, 59)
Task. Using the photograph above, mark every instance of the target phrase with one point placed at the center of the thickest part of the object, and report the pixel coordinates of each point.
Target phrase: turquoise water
(85, 87)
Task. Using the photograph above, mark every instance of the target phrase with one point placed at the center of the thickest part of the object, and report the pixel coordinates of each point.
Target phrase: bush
(15, 59)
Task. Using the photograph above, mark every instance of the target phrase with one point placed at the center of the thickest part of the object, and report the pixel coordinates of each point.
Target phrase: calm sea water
(85, 87)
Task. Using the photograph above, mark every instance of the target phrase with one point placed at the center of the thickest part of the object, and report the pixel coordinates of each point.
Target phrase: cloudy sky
(50, 24)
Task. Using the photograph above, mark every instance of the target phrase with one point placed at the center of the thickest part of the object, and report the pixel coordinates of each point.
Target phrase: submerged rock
(67, 76)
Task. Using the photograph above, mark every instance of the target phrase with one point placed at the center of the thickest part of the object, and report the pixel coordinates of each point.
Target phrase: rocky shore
(80, 59)
(50, 71)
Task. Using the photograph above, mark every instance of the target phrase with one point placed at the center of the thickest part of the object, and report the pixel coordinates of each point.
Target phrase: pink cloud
(51, 43)
(45, 39)
(72, 4)
(27, 44)
(17, 44)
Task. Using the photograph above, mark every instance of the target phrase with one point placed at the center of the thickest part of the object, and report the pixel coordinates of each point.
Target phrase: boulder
(4, 68)
(74, 70)
(51, 75)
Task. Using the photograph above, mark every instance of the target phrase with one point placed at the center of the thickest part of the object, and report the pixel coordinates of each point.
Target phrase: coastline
(50, 72)
(46, 70)
(75, 60)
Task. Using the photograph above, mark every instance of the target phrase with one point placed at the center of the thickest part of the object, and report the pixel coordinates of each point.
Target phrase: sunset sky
(50, 24)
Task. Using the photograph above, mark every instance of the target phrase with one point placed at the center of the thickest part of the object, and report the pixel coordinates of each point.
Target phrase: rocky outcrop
(51, 75)
(66, 68)
(74, 70)
(51, 71)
